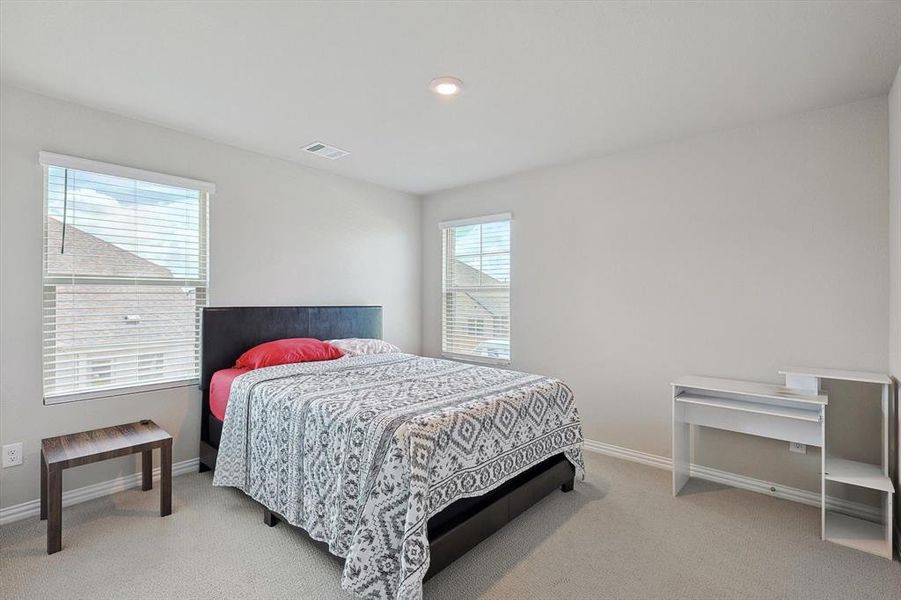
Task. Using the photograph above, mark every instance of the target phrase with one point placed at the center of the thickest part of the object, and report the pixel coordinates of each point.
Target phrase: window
(152, 364)
(100, 371)
(476, 289)
(124, 275)
(476, 326)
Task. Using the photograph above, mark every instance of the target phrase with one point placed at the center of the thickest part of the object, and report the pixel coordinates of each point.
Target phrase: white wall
(894, 101)
(279, 234)
(731, 254)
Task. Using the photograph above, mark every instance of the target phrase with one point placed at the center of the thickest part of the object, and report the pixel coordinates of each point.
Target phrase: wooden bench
(86, 447)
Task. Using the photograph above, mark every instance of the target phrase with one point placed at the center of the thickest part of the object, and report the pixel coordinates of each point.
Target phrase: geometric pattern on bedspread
(360, 452)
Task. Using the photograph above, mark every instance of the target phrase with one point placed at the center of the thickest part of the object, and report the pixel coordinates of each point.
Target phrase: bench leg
(43, 486)
(146, 470)
(269, 518)
(166, 479)
(54, 510)
(569, 485)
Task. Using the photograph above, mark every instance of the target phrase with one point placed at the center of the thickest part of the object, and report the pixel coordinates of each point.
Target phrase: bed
(398, 463)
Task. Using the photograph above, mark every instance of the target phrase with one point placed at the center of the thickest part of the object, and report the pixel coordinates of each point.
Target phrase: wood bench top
(100, 444)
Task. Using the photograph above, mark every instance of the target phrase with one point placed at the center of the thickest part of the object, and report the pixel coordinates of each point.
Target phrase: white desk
(759, 409)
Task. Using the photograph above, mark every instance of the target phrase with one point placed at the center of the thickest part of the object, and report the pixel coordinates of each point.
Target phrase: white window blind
(476, 289)
(124, 277)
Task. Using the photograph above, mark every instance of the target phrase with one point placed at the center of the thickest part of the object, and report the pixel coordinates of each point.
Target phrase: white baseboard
(653, 460)
(32, 508)
(777, 490)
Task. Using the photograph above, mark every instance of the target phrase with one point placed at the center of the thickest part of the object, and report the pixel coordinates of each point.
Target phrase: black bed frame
(227, 332)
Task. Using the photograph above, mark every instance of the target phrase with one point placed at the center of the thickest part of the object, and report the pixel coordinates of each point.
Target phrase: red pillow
(287, 351)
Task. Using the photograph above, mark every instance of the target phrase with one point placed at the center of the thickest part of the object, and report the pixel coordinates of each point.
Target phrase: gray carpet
(620, 534)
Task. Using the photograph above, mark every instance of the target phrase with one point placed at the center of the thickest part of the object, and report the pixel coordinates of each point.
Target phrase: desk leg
(681, 449)
(823, 473)
(54, 510)
(166, 478)
(146, 470)
(43, 486)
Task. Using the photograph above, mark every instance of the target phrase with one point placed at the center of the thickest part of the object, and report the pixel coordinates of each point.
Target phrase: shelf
(860, 376)
(857, 473)
(774, 410)
(858, 534)
(750, 388)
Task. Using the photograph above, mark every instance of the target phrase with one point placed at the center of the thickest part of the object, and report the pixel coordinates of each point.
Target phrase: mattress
(362, 451)
(220, 388)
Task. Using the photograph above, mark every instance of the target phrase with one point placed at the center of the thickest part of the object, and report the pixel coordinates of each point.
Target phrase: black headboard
(226, 332)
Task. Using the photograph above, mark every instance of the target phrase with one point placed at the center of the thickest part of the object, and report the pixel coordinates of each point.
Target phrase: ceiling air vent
(329, 152)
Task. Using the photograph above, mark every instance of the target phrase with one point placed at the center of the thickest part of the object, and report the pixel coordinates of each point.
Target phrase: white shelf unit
(857, 533)
(874, 538)
(857, 473)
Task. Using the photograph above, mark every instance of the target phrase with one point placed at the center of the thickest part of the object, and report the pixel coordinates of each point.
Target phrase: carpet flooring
(620, 535)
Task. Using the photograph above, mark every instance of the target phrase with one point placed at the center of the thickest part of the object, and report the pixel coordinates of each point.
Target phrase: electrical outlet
(796, 447)
(12, 455)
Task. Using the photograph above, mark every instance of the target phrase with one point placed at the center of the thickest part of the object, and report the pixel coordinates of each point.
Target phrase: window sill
(482, 360)
(124, 391)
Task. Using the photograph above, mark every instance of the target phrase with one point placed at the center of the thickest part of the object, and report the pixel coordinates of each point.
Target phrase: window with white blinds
(124, 278)
(476, 289)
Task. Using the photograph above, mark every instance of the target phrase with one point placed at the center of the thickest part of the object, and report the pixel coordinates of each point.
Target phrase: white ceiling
(545, 82)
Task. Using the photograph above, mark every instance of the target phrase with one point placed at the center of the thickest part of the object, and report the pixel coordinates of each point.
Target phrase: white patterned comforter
(360, 452)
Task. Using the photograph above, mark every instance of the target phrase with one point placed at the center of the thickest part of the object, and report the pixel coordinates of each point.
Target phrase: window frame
(474, 358)
(47, 160)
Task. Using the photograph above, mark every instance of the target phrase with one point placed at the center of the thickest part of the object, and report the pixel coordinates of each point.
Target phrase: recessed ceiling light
(446, 86)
